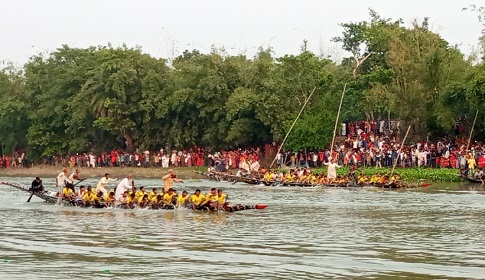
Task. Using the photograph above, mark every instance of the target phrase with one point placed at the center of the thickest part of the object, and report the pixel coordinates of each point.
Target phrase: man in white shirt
(332, 169)
(61, 180)
(125, 185)
(102, 184)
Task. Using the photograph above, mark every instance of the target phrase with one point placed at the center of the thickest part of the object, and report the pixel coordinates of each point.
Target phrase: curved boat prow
(261, 206)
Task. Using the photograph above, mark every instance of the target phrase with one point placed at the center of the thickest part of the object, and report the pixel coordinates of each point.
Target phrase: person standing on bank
(169, 179)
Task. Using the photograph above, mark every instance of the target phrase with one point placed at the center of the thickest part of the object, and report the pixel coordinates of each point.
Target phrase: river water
(431, 233)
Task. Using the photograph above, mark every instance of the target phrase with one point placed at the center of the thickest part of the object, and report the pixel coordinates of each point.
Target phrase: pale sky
(166, 28)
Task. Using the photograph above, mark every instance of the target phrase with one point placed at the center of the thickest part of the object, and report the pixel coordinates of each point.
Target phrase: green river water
(431, 233)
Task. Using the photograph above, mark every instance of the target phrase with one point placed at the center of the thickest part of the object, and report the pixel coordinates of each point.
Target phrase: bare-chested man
(169, 179)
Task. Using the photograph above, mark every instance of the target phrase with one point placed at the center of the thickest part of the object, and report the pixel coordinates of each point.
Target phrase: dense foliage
(94, 99)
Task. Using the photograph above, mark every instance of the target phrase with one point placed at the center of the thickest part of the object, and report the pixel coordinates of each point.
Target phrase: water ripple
(303, 234)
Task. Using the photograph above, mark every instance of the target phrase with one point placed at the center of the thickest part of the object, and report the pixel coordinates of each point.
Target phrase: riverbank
(45, 171)
(408, 174)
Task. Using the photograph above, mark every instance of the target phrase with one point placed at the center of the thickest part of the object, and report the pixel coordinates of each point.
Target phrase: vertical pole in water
(336, 121)
(471, 132)
(288, 133)
(399, 152)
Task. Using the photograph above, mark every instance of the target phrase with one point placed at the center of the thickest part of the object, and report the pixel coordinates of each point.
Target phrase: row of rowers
(306, 176)
(143, 199)
(126, 193)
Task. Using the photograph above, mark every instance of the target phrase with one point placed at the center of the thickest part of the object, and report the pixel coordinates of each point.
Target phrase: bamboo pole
(471, 132)
(399, 152)
(336, 121)
(294, 122)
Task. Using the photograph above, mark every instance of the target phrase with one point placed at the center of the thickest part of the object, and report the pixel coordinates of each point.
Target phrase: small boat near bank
(51, 198)
(471, 180)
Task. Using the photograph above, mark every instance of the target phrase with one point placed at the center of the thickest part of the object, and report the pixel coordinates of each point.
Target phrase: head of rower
(213, 191)
(197, 192)
(106, 175)
(184, 193)
(65, 170)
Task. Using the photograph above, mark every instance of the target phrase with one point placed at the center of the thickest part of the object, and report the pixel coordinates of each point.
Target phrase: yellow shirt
(154, 200)
(375, 179)
(471, 163)
(221, 198)
(268, 177)
(290, 178)
(151, 195)
(67, 192)
(131, 200)
(107, 198)
(182, 200)
(167, 198)
(210, 198)
(139, 194)
(89, 197)
(197, 200)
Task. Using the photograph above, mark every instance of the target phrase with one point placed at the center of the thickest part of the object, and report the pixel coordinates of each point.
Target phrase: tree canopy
(97, 98)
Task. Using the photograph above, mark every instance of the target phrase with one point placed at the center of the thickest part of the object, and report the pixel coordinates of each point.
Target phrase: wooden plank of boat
(46, 196)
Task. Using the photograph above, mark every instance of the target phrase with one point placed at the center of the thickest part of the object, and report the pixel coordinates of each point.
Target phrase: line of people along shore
(126, 195)
(361, 148)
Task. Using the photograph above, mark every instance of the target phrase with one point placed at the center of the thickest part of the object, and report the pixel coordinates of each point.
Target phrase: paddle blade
(425, 184)
(261, 206)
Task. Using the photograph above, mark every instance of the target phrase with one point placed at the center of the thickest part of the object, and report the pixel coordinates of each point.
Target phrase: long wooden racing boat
(218, 176)
(52, 198)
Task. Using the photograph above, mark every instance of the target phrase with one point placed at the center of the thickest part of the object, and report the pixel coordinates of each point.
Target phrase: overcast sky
(166, 28)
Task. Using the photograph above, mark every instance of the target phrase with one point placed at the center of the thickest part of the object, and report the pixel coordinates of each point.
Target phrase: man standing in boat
(101, 187)
(169, 179)
(332, 169)
(61, 181)
(125, 185)
(70, 180)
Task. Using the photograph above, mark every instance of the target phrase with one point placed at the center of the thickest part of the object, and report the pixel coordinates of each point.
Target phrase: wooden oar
(28, 200)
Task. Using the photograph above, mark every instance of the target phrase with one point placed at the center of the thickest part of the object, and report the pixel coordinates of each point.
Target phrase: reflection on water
(304, 234)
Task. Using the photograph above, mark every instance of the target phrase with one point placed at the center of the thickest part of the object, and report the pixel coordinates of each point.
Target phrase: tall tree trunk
(129, 141)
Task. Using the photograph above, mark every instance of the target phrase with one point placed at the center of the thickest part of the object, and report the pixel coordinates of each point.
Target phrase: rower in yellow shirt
(140, 193)
(211, 198)
(168, 197)
(67, 193)
(375, 178)
(131, 201)
(89, 197)
(109, 199)
(268, 176)
(221, 197)
(157, 201)
(152, 194)
(183, 199)
(143, 201)
(362, 180)
(197, 199)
